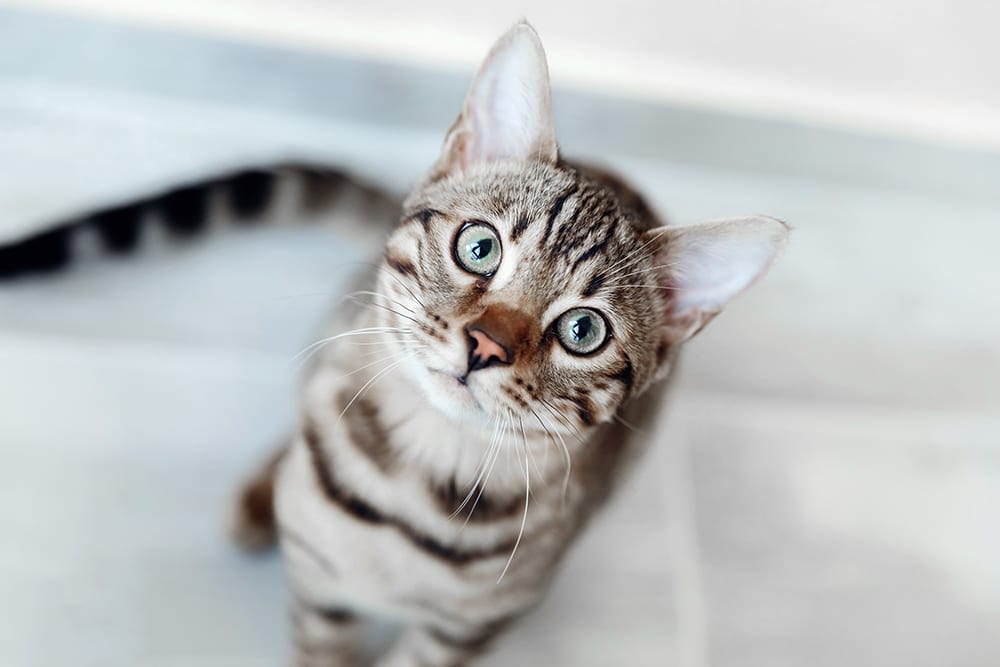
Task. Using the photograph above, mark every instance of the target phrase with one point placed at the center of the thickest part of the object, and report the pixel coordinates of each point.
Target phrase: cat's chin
(451, 397)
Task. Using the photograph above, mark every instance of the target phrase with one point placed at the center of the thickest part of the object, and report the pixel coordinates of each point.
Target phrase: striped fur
(441, 482)
(279, 194)
(452, 443)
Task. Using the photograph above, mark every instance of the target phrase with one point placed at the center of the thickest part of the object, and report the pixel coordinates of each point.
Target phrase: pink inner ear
(703, 267)
(508, 111)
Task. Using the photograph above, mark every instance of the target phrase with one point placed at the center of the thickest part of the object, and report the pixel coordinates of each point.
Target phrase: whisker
(384, 296)
(524, 519)
(483, 463)
(357, 332)
(630, 426)
(569, 459)
(376, 343)
(668, 265)
(570, 427)
(482, 489)
(524, 439)
(621, 264)
(372, 363)
(311, 350)
(368, 384)
(383, 269)
(384, 307)
(663, 287)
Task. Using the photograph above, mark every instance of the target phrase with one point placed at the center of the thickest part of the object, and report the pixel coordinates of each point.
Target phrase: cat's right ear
(507, 114)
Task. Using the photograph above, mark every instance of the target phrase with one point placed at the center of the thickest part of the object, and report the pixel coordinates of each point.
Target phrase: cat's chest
(383, 500)
(343, 546)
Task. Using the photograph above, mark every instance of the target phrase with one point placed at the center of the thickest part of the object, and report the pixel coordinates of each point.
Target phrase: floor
(826, 485)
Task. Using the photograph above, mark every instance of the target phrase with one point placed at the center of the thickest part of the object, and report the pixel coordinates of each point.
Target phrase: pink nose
(485, 350)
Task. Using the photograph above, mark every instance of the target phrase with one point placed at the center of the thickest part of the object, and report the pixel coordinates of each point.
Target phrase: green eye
(582, 330)
(477, 248)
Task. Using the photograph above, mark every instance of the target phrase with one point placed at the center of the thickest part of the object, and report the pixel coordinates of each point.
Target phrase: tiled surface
(825, 491)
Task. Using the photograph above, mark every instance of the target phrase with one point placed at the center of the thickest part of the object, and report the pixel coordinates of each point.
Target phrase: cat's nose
(484, 350)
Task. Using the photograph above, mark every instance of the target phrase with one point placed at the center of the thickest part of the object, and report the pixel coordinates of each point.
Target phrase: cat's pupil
(581, 328)
(481, 249)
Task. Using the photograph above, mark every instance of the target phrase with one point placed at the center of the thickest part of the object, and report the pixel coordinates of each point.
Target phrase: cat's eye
(477, 248)
(582, 330)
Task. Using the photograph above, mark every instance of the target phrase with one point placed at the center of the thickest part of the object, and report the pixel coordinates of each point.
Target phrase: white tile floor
(826, 490)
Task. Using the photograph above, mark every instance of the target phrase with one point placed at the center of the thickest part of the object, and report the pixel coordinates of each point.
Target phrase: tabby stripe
(595, 284)
(368, 435)
(185, 210)
(363, 511)
(424, 217)
(626, 375)
(403, 266)
(449, 498)
(476, 642)
(250, 192)
(570, 234)
(556, 209)
(119, 227)
(336, 614)
(601, 246)
(585, 409)
(473, 644)
(520, 226)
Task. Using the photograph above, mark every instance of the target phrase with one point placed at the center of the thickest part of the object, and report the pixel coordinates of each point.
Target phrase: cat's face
(523, 288)
(536, 293)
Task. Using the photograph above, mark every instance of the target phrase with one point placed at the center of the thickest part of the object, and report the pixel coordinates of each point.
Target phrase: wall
(911, 68)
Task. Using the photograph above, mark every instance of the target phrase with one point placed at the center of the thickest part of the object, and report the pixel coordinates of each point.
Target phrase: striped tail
(277, 195)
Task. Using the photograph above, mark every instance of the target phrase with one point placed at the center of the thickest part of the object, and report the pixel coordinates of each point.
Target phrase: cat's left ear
(700, 268)
(507, 114)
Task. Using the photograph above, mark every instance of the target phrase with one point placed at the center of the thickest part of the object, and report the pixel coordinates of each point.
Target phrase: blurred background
(825, 489)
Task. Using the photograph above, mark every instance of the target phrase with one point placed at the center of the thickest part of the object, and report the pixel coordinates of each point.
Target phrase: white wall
(909, 67)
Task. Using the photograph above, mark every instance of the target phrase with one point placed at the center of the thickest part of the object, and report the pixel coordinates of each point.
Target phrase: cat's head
(542, 292)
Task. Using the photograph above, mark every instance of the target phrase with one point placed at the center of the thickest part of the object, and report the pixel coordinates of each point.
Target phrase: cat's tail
(284, 194)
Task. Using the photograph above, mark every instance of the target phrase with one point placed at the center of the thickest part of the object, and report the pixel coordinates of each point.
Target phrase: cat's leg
(253, 525)
(325, 637)
(426, 646)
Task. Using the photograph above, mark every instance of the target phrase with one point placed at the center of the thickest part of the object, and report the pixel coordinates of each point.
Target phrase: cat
(457, 434)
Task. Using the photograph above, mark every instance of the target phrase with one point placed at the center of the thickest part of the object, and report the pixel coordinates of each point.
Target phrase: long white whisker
(527, 450)
(663, 287)
(668, 265)
(482, 489)
(630, 426)
(524, 519)
(483, 464)
(383, 296)
(569, 459)
(357, 332)
(573, 431)
(372, 363)
(370, 382)
(383, 269)
(386, 308)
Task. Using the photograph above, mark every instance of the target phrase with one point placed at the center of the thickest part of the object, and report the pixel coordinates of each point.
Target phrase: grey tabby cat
(522, 304)
(525, 309)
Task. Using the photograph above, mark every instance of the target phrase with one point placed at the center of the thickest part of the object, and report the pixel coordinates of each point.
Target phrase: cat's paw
(252, 524)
